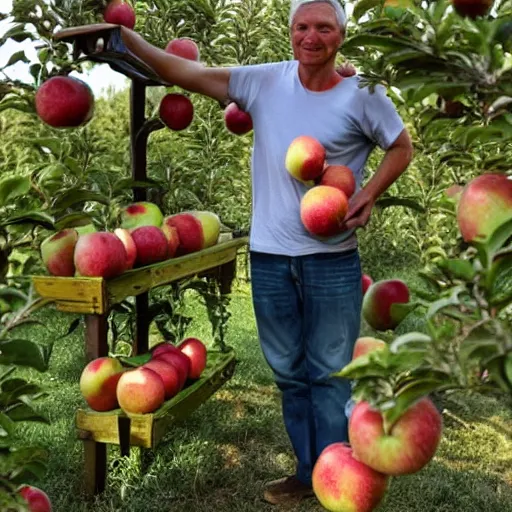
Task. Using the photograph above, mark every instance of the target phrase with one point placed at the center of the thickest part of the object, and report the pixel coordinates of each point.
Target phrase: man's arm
(187, 74)
(394, 163)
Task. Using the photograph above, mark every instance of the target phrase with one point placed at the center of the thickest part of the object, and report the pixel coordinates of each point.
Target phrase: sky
(100, 78)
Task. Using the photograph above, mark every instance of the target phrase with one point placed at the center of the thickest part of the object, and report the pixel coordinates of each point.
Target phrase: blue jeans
(308, 311)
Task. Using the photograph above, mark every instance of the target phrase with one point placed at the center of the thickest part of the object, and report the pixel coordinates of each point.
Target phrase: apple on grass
(140, 391)
(57, 252)
(342, 483)
(183, 47)
(305, 159)
(409, 445)
(196, 351)
(176, 111)
(151, 245)
(236, 120)
(140, 214)
(119, 12)
(37, 500)
(98, 383)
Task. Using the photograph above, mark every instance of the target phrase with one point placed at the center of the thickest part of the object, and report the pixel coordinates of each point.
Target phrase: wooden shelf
(95, 295)
(146, 430)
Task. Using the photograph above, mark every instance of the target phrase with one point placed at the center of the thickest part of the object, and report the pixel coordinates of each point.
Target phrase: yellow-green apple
(57, 252)
(183, 47)
(211, 226)
(173, 240)
(64, 102)
(100, 254)
(129, 246)
(378, 300)
(37, 500)
(119, 12)
(340, 177)
(140, 391)
(176, 111)
(169, 375)
(98, 383)
(322, 210)
(409, 445)
(342, 483)
(485, 203)
(367, 281)
(196, 351)
(236, 120)
(190, 232)
(141, 214)
(472, 8)
(367, 344)
(305, 158)
(151, 245)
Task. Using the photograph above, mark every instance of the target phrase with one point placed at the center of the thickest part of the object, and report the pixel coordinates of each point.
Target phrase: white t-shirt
(347, 120)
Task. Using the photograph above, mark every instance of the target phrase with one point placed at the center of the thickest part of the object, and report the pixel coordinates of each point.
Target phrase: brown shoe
(286, 491)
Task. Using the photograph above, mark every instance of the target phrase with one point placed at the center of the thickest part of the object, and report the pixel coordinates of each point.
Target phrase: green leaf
(129, 183)
(77, 196)
(458, 269)
(72, 220)
(442, 88)
(13, 187)
(52, 144)
(482, 134)
(35, 218)
(25, 353)
(16, 103)
(6, 426)
(135, 361)
(418, 339)
(479, 344)
(17, 33)
(25, 411)
(445, 302)
(499, 281)
(17, 57)
(386, 202)
(372, 364)
(376, 41)
(398, 311)
(363, 6)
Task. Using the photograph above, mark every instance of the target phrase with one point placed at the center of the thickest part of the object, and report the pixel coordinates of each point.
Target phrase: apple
(168, 373)
(100, 254)
(485, 203)
(64, 102)
(119, 12)
(173, 240)
(129, 246)
(378, 300)
(454, 192)
(342, 483)
(176, 111)
(305, 158)
(37, 500)
(163, 348)
(57, 252)
(190, 232)
(409, 445)
(179, 360)
(151, 245)
(196, 351)
(346, 70)
(236, 120)
(367, 281)
(340, 177)
(98, 383)
(211, 226)
(472, 8)
(140, 391)
(141, 214)
(322, 210)
(183, 47)
(367, 344)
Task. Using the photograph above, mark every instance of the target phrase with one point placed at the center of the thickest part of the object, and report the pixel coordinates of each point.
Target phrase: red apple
(37, 500)
(57, 252)
(472, 8)
(140, 391)
(64, 102)
(346, 70)
(378, 300)
(236, 120)
(409, 445)
(322, 210)
(98, 383)
(196, 351)
(183, 47)
(163, 348)
(367, 344)
(141, 214)
(176, 111)
(367, 281)
(340, 177)
(119, 12)
(305, 158)
(344, 484)
(151, 244)
(100, 254)
(169, 375)
(129, 246)
(485, 203)
(190, 232)
(179, 360)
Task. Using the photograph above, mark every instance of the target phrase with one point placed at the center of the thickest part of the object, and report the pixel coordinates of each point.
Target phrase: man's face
(316, 34)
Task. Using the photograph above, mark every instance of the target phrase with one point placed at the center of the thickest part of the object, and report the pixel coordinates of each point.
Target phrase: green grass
(219, 459)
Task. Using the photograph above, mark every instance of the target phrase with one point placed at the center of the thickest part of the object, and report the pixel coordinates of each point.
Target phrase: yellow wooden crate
(91, 295)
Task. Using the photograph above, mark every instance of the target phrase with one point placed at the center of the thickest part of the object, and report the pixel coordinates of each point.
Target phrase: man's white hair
(340, 13)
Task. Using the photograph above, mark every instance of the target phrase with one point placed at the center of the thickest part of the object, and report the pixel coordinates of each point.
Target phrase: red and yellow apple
(151, 245)
(119, 12)
(378, 300)
(236, 120)
(183, 47)
(172, 355)
(64, 102)
(190, 232)
(98, 383)
(57, 252)
(322, 210)
(37, 500)
(211, 226)
(169, 375)
(367, 344)
(173, 240)
(342, 483)
(340, 177)
(129, 246)
(141, 214)
(176, 111)
(409, 445)
(140, 391)
(305, 158)
(196, 351)
(485, 203)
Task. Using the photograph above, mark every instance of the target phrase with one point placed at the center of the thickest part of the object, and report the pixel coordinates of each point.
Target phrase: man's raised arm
(187, 74)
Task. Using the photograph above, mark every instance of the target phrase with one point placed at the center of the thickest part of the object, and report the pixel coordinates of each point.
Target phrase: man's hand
(359, 210)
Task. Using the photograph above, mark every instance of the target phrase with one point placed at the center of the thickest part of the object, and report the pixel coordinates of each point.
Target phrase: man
(306, 293)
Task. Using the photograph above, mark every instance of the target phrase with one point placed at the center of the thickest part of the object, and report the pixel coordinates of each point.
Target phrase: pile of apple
(355, 476)
(325, 204)
(106, 384)
(144, 237)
